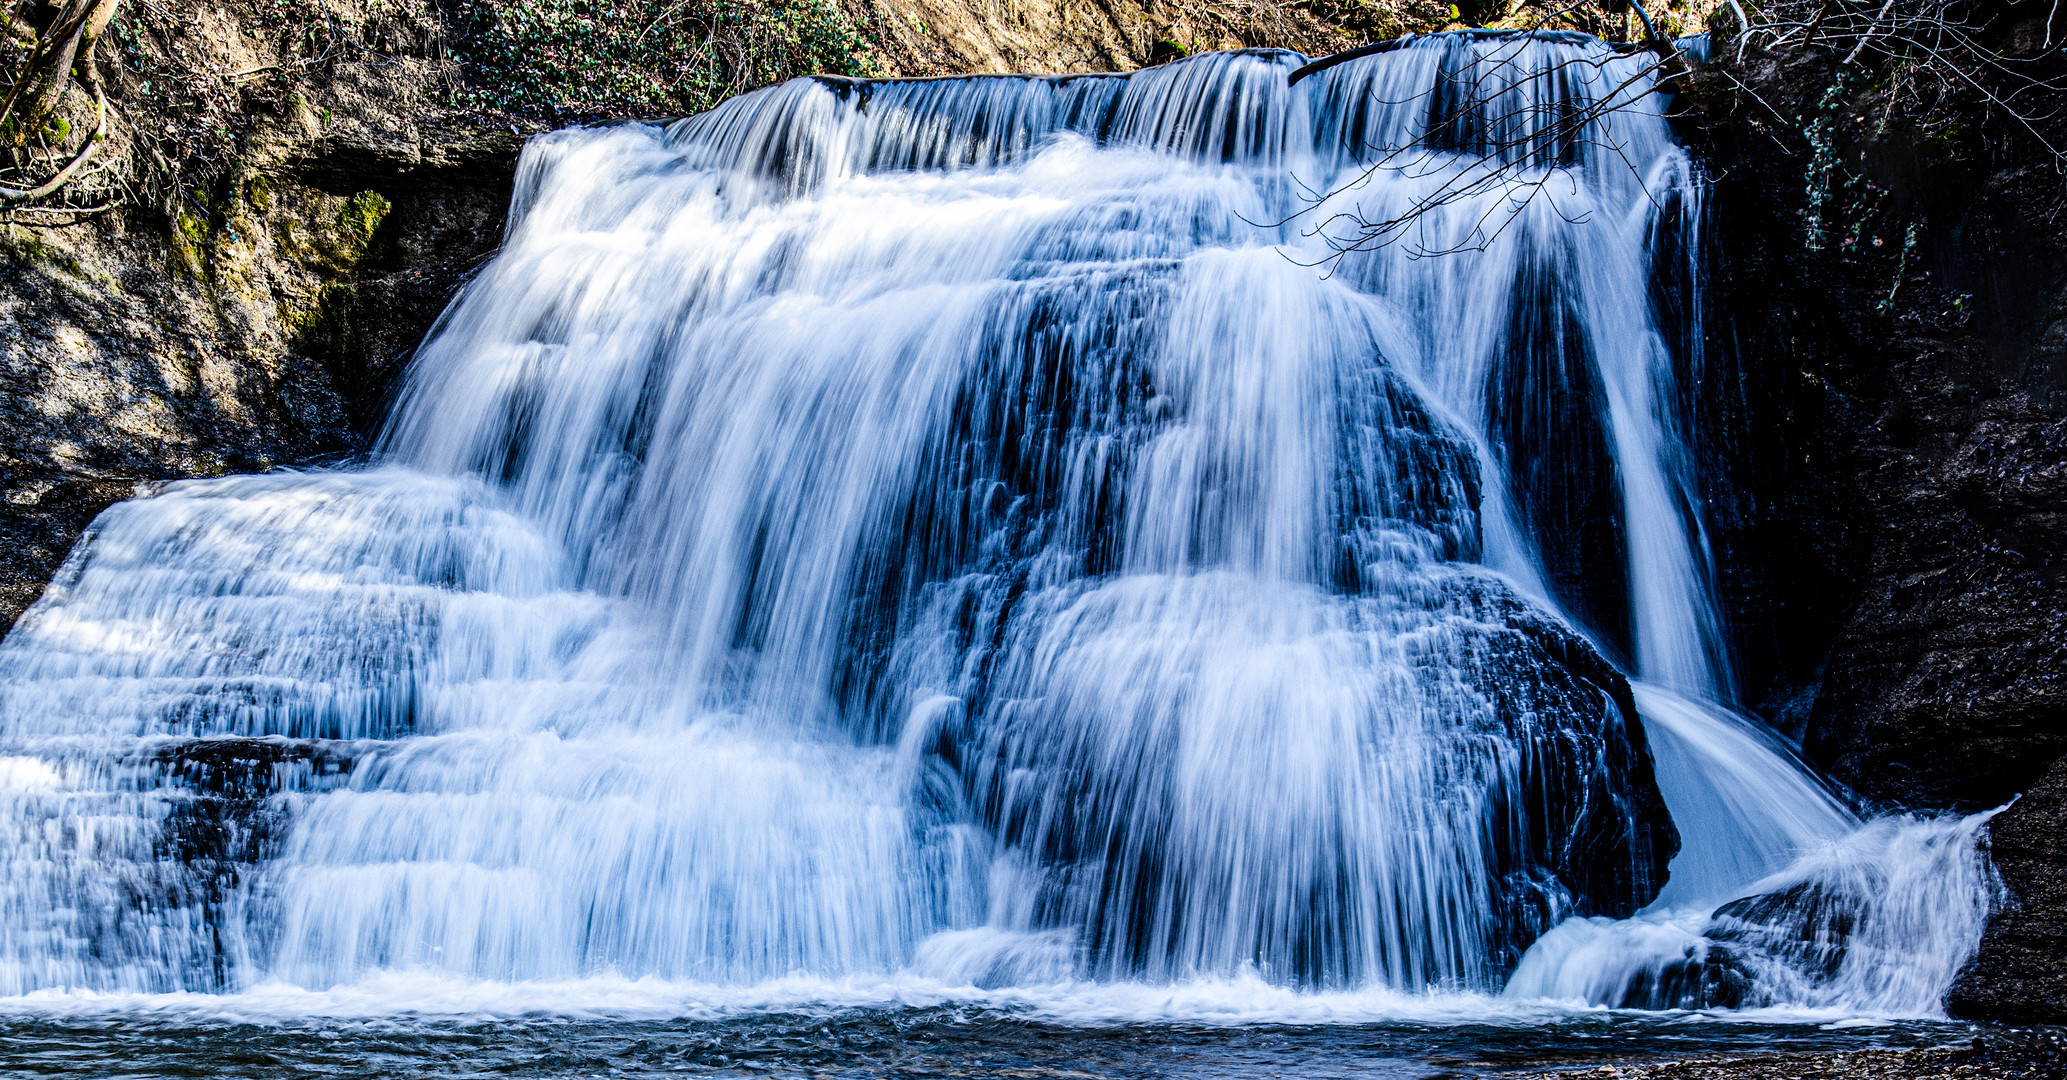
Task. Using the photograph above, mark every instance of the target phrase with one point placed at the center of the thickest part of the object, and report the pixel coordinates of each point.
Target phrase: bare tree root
(36, 86)
(79, 161)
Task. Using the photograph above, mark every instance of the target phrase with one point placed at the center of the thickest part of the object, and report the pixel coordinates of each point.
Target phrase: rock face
(1886, 464)
(269, 340)
(2019, 976)
(1949, 684)
(312, 236)
(1889, 478)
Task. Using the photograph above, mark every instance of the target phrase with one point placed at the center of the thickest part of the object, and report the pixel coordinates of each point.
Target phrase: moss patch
(189, 243)
(361, 218)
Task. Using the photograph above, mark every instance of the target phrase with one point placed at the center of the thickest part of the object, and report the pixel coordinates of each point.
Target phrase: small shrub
(573, 59)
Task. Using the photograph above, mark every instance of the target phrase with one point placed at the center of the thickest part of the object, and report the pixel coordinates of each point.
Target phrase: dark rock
(1800, 933)
(1949, 685)
(1884, 452)
(222, 822)
(1887, 490)
(1546, 402)
(2020, 974)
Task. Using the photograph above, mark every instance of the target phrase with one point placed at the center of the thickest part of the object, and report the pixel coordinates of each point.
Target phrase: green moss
(324, 313)
(361, 218)
(23, 245)
(27, 246)
(287, 235)
(190, 243)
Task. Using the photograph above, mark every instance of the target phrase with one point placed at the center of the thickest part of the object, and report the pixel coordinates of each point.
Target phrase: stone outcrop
(2020, 976)
(308, 239)
(1889, 476)
(1886, 425)
(267, 339)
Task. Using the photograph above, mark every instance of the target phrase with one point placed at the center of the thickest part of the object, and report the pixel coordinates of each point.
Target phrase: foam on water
(1239, 1000)
(983, 541)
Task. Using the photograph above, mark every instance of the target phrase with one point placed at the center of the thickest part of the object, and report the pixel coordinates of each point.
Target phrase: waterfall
(998, 532)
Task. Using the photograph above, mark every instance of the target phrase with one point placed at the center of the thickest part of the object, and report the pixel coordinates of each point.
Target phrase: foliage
(566, 59)
(1925, 75)
(1922, 63)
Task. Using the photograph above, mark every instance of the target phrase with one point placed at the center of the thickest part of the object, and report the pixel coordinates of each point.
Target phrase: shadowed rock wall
(1884, 425)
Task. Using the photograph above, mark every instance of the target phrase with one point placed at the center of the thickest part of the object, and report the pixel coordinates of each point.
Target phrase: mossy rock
(361, 218)
(189, 243)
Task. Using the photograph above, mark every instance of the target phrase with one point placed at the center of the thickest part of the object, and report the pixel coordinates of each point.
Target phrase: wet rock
(2019, 976)
(1572, 824)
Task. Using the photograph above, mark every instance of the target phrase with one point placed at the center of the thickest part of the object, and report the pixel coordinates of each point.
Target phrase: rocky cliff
(278, 218)
(1885, 405)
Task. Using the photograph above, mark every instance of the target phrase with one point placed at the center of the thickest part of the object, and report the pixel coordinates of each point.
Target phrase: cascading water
(987, 532)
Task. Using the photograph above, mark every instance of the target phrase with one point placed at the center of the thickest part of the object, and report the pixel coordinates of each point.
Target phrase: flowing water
(880, 550)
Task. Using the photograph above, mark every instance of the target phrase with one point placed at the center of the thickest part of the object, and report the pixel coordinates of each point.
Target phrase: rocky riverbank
(2011, 1056)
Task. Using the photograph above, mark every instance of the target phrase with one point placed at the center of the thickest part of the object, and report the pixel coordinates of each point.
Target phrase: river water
(943, 1041)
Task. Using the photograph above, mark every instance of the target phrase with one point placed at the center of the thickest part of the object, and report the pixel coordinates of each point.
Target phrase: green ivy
(1823, 166)
(571, 59)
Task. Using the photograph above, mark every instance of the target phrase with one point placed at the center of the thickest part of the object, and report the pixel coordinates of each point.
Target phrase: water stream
(1001, 541)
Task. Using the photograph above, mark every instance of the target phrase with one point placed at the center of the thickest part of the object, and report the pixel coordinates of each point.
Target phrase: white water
(969, 539)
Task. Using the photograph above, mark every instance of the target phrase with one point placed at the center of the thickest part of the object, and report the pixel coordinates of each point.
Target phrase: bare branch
(1515, 154)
